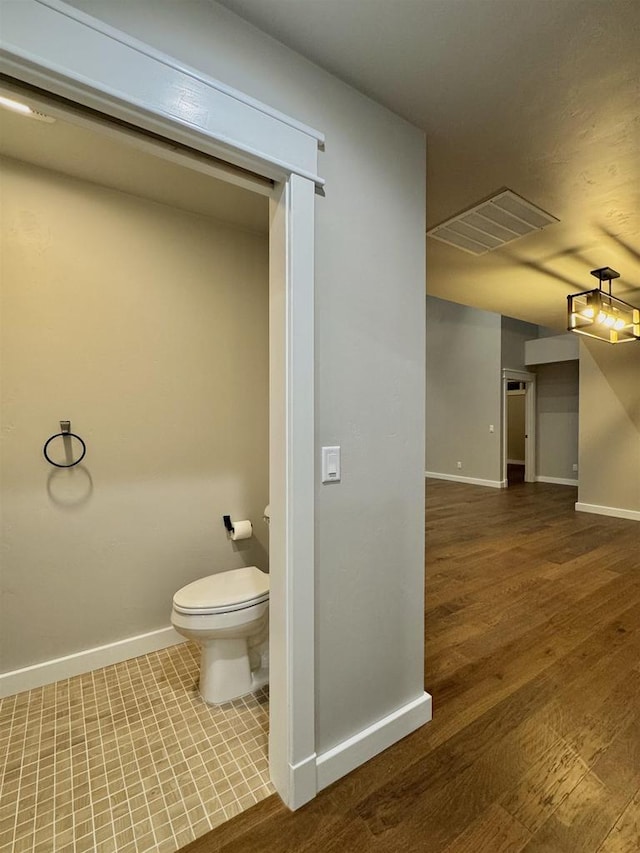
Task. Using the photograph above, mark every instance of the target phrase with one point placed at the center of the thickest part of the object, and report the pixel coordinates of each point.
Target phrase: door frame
(529, 380)
(71, 55)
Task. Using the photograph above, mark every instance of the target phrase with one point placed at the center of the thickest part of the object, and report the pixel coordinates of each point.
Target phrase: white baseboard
(302, 782)
(472, 481)
(351, 753)
(30, 677)
(558, 481)
(515, 462)
(613, 511)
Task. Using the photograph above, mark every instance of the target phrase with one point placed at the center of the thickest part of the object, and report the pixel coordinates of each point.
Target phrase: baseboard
(351, 753)
(302, 782)
(613, 511)
(558, 481)
(515, 462)
(471, 481)
(58, 669)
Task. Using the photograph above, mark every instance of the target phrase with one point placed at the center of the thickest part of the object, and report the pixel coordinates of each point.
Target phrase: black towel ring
(65, 432)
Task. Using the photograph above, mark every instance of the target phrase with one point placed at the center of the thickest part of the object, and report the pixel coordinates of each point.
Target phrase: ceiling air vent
(492, 224)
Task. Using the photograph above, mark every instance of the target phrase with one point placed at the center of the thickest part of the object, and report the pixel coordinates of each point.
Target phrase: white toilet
(228, 616)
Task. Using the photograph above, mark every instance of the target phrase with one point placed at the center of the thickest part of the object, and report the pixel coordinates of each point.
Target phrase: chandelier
(599, 314)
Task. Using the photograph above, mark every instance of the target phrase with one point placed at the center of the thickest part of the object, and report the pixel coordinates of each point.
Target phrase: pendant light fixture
(598, 314)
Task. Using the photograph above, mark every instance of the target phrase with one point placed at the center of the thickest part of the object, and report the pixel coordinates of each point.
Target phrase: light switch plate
(330, 464)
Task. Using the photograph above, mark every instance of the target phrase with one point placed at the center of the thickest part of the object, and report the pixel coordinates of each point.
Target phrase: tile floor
(127, 759)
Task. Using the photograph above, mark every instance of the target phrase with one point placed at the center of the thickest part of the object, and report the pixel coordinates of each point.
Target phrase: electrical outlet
(459, 464)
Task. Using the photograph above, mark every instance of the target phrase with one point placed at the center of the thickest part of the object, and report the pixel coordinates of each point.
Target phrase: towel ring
(65, 432)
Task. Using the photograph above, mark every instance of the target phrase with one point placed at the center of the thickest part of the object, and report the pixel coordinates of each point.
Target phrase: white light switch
(490, 427)
(330, 464)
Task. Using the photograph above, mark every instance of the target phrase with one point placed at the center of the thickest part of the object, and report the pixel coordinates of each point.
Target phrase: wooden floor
(533, 660)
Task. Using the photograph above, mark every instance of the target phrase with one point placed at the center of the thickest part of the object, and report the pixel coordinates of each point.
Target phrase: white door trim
(530, 422)
(66, 52)
(48, 44)
(291, 392)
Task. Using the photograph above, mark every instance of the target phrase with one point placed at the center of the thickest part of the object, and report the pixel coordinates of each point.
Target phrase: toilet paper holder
(238, 530)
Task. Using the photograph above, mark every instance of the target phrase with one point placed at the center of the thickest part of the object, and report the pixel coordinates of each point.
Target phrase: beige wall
(610, 425)
(147, 327)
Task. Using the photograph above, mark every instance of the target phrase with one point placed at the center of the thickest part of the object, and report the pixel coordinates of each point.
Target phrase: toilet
(227, 614)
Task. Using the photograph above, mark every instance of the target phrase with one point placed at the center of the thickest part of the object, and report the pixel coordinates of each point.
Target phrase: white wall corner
(356, 750)
(613, 511)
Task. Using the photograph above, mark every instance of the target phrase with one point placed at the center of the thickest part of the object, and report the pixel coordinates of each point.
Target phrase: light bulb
(619, 324)
(24, 110)
(601, 317)
(589, 313)
(609, 321)
(16, 106)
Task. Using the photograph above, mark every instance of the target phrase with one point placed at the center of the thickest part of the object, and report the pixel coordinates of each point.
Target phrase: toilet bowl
(227, 615)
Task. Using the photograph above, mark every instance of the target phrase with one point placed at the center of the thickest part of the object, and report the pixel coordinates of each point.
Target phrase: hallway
(533, 660)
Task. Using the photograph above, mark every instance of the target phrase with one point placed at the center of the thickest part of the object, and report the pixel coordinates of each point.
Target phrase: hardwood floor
(533, 661)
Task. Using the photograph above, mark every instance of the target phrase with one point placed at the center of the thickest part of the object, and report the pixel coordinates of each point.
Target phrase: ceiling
(541, 96)
(113, 161)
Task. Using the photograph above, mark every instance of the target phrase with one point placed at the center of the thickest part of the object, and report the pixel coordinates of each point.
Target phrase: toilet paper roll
(241, 530)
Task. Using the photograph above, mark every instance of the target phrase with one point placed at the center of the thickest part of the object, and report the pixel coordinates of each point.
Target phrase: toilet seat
(223, 593)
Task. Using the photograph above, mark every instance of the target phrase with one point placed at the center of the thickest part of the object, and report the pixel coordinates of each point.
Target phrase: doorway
(518, 427)
(516, 432)
(238, 135)
(143, 331)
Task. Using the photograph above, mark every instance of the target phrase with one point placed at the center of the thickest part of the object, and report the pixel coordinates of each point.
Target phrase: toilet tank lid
(225, 589)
